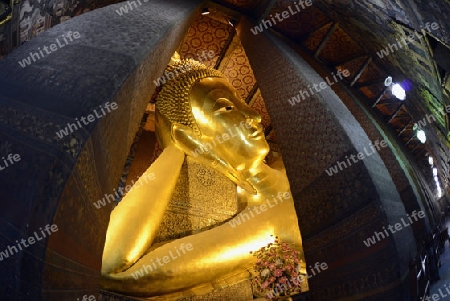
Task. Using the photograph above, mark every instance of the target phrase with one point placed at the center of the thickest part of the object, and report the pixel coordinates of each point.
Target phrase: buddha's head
(202, 102)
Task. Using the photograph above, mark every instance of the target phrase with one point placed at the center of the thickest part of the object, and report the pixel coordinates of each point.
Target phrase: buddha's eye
(223, 105)
(225, 109)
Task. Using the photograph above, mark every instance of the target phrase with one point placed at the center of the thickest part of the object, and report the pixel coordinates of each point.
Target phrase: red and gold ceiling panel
(401, 120)
(372, 91)
(371, 73)
(389, 107)
(257, 103)
(205, 40)
(340, 47)
(313, 41)
(353, 66)
(239, 72)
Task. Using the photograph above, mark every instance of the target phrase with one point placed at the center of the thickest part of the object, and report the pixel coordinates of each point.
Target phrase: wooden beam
(410, 139)
(396, 112)
(404, 128)
(344, 61)
(325, 40)
(361, 71)
(225, 49)
(415, 147)
(251, 94)
(268, 7)
(422, 151)
(370, 82)
(306, 36)
(380, 97)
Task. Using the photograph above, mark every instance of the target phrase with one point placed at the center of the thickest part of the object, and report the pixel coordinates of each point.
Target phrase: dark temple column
(113, 57)
(339, 210)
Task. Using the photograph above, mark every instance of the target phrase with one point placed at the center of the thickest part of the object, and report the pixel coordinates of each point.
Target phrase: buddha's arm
(214, 253)
(134, 222)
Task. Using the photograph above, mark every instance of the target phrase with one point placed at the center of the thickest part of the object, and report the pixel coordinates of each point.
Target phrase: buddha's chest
(202, 199)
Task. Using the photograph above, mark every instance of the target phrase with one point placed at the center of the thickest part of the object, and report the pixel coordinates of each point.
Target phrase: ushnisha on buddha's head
(199, 107)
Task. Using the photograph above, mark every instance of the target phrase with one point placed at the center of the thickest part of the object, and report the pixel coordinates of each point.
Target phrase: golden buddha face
(228, 126)
(201, 112)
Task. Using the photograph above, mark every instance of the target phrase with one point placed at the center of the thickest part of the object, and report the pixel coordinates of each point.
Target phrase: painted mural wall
(32, 17)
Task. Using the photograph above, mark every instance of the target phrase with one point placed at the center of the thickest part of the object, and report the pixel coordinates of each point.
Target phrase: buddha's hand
(192, 145)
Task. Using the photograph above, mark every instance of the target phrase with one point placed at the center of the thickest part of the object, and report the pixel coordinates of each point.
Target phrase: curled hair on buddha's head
(173, 100)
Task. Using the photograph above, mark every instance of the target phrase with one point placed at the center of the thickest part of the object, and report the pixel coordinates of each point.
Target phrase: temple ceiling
(348, 36)
(339, 34)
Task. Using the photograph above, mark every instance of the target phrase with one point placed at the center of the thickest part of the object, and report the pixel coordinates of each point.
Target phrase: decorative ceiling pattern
(339, 47)
(340, 42)
(205, 40)
(239, 72)
(257, 103)
(372, 73)
(340, 34)
(314, 38)
(353, 65)
(212, 33)
(208, 34)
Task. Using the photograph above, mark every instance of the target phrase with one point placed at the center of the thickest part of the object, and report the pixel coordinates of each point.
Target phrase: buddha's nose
(252, 115)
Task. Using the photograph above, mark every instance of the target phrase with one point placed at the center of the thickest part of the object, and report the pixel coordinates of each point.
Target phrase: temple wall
(336, 213)
(115, 59)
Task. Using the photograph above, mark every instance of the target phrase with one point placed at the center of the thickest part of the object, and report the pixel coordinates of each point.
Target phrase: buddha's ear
(185, 138)
(192, 145)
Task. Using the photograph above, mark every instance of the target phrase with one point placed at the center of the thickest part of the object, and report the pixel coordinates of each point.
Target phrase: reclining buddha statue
(198, 109)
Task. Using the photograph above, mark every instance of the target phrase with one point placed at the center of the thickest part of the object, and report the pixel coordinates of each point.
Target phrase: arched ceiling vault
(346, 34)
(340, 34)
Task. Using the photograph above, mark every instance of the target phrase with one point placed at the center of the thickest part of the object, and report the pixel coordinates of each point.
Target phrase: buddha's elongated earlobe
(191, 144)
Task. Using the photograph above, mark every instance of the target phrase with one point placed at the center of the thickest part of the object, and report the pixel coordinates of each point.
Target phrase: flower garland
(277, 270)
